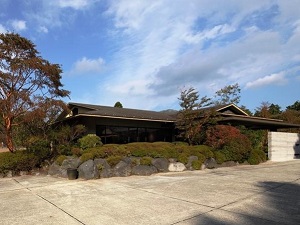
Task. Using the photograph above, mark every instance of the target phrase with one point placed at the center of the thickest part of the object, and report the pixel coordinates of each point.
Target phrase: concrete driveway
(265, 194)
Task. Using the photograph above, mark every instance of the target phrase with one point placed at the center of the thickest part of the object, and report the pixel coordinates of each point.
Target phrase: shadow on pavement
(277, 203)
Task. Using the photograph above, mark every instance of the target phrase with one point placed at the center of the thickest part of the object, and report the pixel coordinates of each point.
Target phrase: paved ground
(265, 194)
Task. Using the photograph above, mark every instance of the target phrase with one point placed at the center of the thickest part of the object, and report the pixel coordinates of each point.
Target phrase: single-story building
(123, 125)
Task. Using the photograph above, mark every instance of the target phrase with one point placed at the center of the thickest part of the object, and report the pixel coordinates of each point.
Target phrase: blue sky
(143, 52)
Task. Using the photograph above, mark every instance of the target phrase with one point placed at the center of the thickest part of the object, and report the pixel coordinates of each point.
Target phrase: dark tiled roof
(107, 111)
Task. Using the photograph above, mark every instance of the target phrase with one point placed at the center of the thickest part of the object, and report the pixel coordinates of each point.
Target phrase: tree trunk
(8, 135)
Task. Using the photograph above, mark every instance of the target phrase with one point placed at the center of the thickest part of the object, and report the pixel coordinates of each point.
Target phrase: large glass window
(121, 135)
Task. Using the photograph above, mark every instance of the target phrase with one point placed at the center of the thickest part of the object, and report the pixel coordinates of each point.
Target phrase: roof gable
(231, 109)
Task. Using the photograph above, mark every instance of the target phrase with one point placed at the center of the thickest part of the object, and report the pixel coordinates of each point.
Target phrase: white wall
(283, 146)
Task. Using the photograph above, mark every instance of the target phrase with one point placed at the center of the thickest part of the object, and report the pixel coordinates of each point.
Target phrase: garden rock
(210, 163)
(56, 170)
(228, 164)
(161, 164)
(88, 170)
(103, 168)
(144, 170)
(191, 159)
(122, 169)
(70, 163)
(176, 167)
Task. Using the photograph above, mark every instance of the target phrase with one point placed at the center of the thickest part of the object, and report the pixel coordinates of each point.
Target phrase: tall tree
(263, 110)
(190, 119)
(295, 106)
(26, 81)
(118, 105)
(275, 109)
(228, 94)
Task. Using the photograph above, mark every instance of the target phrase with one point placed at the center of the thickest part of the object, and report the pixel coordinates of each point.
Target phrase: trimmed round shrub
(89, 141)
(87, 156)
(113, 160)
(146, 161)
(256, 157)
(196, 165)
(220, 157)
(183, 158)
(237, 149)
(201, 158)
(202, 149)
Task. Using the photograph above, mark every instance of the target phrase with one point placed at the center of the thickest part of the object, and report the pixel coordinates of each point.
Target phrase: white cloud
(277, 79)
(2, 29)
(43, 29)
(54, 13)
(86, 65)
(75, 4)
(19, 25)
(168, 46)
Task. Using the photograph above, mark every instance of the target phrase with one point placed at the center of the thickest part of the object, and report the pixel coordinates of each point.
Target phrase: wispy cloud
(277, 79)
(19, 25)
(201, 44)
(86, 65)
(75, 4)
(55, 13)
(43, 29)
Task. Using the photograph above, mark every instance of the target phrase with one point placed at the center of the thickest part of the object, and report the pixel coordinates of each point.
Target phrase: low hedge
(18, 161)
(146, 149)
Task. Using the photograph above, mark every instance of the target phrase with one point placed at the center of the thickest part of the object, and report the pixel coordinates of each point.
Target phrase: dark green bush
(64, 149)
(18, 161)
(89, 141)
(202, 149)
(220, 157)
(196, 165)
(87, 156)
(256, 157)
(237, 149)
(146, 161)
(138, 149)
(183, 158)
(40, 148)
(113, 160)
(201, 158)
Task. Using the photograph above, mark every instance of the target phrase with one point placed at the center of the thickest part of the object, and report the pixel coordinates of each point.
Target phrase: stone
(210, 163)
(88, 170)
(122, 169)
(161, 164)
(144, 170)
(228, 164)
(56, 170)
(71, 163)
(191, 159)
(176, 167)
(172, 160)
(103, 167)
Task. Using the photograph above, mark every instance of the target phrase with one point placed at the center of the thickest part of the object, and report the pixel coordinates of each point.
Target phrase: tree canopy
(191, 120)
(228, 94)
(118, 105)
(295, 106)
(27, 81)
